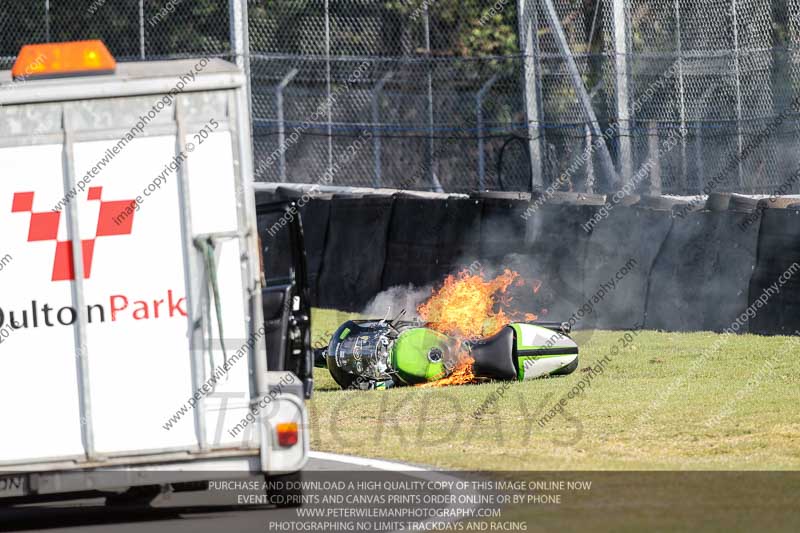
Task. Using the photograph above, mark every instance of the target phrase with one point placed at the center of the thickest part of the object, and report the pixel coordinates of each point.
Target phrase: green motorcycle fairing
(379, 354)
(541, 351)
(420, 355)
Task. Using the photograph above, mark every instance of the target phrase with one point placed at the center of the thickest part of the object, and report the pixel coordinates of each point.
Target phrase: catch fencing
(464, 95)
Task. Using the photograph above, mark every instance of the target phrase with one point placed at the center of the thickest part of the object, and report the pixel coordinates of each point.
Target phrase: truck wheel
(285, 491)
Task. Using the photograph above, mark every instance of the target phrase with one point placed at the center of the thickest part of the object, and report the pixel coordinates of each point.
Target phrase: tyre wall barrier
(502, 228)
(678, 276)
(778, 253)
(699, 272)
(355, 252)
(621, 253)
(556, 255)
(427, 237)
(459, 237)
(725, 297)
(315, 215)
(699, 278)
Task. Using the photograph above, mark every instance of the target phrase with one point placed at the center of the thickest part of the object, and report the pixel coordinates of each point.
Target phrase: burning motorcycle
(381, 354)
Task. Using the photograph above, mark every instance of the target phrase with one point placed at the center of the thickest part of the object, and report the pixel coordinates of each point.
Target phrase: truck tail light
(53, 60)
(287, 434)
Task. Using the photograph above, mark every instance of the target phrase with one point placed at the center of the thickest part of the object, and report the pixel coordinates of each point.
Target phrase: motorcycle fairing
(543, 352)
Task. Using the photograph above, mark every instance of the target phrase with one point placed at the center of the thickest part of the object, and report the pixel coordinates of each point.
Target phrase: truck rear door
(128, 306)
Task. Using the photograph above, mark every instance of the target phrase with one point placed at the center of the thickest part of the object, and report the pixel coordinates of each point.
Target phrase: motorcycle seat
(494, 356)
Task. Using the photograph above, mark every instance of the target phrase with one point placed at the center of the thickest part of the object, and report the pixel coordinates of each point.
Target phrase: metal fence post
(47, 20)
(237, 32)
(479, 114)
(587, 133)
(328, 85)
(681, 98)
(698, 147)
(737, 73)
(654, 156)
(281, 122)
(240, 45)
(623, 107)
(431, 144)
(529, 48)
(141, 30)
(578, 86)
(377, 179)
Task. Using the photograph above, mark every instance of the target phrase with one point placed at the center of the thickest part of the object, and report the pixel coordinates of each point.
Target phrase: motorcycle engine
(358, 354)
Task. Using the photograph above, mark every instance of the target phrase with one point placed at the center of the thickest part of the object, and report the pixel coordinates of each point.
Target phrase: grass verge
(666, 401)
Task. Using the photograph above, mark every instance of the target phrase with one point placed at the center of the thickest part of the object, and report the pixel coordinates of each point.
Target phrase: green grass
(650, 409)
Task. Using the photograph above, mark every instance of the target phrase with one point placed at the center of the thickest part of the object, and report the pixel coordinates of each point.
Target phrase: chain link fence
(132, 29)
(464, 95)
(410, 107)
(720, 92)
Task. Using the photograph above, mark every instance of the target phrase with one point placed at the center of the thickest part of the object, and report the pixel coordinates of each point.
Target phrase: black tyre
(344, 379)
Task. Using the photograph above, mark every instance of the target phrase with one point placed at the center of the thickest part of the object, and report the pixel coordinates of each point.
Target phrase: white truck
(132, 334)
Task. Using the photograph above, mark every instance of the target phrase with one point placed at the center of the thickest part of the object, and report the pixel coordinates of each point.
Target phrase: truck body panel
(130, 314)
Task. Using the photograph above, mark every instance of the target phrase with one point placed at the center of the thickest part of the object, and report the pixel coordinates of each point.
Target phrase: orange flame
(462, 374)
(468, 307)
(464, 306)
